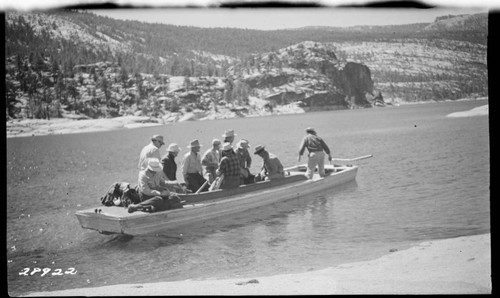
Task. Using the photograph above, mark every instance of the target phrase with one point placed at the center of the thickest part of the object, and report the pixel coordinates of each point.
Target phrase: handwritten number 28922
(45, 271)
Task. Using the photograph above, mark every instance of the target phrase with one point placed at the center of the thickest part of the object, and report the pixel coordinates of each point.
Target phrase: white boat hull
(117, 220)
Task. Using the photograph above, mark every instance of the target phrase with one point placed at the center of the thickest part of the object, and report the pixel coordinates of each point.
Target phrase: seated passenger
(153, 190)
(271, 168)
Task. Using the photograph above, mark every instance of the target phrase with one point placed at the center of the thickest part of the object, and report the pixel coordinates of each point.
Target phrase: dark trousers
(194, 181)
(160, 203)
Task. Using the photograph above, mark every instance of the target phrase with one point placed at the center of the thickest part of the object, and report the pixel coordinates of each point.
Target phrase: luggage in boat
(120, 194)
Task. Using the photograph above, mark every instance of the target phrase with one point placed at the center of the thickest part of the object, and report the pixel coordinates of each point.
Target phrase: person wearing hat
(151, 150)
(245, 161)
(170, 169)
(229, 167)
(210, 160)
(192, 171)
(153, 190)
(271, 168)
(168, 162)
(317, 148)
(229, 136)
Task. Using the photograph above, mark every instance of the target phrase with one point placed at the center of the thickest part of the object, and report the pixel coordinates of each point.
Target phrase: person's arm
(222, 167)
(302, 148)
(162, 183)
(206, 159)
(184, 166)
(249, 160)
(199, 168)
(326, 149)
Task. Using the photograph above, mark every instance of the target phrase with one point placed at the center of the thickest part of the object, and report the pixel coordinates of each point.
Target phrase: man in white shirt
(151, 150)
(191, 168)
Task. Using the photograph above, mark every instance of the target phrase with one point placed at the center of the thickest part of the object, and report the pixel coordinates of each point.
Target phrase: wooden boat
(207, 205)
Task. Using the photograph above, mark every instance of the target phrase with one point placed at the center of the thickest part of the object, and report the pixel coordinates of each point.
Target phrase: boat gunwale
(233, 197)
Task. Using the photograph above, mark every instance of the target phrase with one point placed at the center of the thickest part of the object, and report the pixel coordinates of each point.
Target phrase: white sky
(281, 18)
(264, 20)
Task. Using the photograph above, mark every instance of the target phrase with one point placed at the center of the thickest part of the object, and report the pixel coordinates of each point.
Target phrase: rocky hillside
(60, 64)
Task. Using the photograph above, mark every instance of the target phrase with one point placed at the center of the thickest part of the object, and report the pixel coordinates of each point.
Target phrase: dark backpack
(120, 194)
(130, 196)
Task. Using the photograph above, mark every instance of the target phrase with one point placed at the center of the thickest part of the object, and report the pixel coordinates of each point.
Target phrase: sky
(283, 18)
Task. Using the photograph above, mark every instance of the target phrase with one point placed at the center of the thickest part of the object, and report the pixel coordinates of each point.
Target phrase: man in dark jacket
(168, 162)
(317, 149)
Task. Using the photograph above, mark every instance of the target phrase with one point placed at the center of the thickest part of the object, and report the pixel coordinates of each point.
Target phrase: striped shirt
(230, 165)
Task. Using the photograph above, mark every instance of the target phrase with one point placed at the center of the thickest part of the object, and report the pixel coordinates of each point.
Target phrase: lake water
(429, 179)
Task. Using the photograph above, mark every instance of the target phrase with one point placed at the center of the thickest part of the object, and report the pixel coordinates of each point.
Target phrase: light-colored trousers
(316, 159)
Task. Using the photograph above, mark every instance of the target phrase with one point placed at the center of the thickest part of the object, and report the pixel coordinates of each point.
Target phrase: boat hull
(116, 220)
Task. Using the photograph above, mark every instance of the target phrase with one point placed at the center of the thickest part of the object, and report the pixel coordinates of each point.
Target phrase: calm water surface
(429, 179)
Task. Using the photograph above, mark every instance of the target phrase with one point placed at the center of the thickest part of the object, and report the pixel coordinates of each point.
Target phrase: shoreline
(71, 124)
(459, 265)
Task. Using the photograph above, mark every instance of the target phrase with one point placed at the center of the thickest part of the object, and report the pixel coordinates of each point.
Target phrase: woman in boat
(272, 167)
(210, 161)
(229, 167)
(317, 148)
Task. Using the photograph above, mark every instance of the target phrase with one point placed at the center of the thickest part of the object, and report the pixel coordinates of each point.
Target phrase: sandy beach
(451, 266)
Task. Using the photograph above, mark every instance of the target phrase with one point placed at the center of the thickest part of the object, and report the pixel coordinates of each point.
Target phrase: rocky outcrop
(356, 81)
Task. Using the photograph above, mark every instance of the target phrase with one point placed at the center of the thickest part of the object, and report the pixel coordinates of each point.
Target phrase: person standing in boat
(210, 160)
(153, 190)
(245, 161)
(170, 168)
(229, 136)
(192, 169)
(229, 167)
(168, 162)
(151, 150)
(317, 149)
(271, 168)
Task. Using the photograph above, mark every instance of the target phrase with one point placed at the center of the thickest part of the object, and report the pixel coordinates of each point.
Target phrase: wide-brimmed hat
(258, 149)
(310, 129)
(154, 165)
(227, 146)
(158, 138)
(173, 148)
(229, 133)
(216, 141)
(243, 144)
(194, 143)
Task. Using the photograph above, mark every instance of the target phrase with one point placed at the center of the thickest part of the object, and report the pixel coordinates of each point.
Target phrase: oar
(198, 191)
(352, 159)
